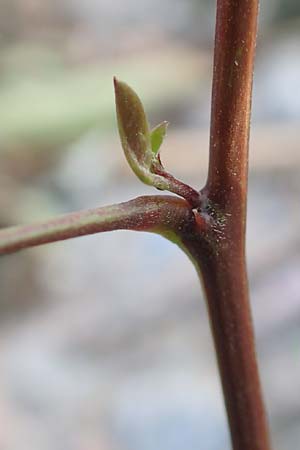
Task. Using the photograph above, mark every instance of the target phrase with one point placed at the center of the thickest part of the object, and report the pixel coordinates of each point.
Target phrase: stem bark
(166, 215)
(221, 258)
(209, 227)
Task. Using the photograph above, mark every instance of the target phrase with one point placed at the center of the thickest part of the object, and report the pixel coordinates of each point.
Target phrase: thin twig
(148, 213)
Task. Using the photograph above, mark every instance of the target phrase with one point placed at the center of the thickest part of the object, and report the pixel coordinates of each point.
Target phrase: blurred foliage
(288, 9)
(44, 101)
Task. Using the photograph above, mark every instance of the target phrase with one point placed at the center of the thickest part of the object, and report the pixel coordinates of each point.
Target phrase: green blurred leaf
(157, 135)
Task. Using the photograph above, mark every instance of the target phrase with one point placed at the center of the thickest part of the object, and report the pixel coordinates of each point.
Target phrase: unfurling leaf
(141, 147)
(157, 136)
(136, 138)
(134, 130)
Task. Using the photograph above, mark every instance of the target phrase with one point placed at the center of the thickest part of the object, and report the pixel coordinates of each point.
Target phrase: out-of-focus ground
(104, 340)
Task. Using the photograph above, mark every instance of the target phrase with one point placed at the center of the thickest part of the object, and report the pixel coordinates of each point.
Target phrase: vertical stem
(224, 268)
(225, 283)
(231, 98)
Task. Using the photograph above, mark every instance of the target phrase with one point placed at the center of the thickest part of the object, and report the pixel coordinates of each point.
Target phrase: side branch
(156, 214)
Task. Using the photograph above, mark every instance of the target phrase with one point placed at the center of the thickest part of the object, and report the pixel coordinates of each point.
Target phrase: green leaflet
(157, 136)
(141, 147)
(133, 127)
(136, 138)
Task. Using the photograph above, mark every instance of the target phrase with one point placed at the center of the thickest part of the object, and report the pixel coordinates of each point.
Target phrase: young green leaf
(157, 135)
(141, 147)
(134, 130)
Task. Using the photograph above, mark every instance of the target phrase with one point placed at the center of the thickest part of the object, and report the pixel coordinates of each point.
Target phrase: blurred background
(104, 340)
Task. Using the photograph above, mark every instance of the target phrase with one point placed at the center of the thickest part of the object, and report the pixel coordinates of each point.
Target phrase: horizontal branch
(156, 214)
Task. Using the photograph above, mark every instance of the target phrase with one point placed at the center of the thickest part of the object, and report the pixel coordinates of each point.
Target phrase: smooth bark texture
(209, 226)
(221, 259)
(221, 267)
(165, 215)
(231, 100)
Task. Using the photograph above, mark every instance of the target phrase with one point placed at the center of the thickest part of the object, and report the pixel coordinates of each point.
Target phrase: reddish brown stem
(193, 197)
(231, 98)
(158, 214)
(214, 234)
(221, 264)
(221, 258)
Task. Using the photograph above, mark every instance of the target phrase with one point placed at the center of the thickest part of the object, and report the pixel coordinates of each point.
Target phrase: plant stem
(158, 214)
(209, 227)
(221, 259)
(224, 278)
(231, 98)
